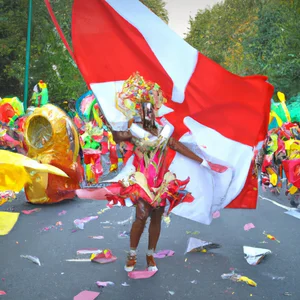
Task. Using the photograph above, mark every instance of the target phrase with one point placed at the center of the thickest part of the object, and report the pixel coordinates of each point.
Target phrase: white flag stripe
(212, 191)
(224, 151)
(177, 57)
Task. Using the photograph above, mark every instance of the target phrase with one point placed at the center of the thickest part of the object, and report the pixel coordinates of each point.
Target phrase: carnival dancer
(152, 187)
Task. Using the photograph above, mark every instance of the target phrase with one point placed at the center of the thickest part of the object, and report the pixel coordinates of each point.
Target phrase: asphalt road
(277, 276)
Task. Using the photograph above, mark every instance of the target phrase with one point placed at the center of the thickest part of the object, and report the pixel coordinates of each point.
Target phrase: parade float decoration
(52, 138)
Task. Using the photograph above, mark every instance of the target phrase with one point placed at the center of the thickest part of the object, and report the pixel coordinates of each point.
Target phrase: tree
(252, 37)
(158, 7)
(49, 60)
(275, 49)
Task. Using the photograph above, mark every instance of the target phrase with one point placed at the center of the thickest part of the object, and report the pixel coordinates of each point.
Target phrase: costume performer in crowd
(152, 185)
(40, 94)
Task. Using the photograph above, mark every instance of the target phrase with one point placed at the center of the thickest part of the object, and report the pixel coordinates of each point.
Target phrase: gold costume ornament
(52, 138)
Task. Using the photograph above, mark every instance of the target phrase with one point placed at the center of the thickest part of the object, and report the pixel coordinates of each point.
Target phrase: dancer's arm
(182, 149)
(122, 136)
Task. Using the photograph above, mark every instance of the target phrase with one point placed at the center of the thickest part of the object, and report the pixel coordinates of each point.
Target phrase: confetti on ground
(102, 210)
(2, 293)
(103, 258)
(34, 259)
(239, 278)
(145, 274)
(167, 220)
(79, 223)
(124, 235)
(31, 211)
(197, 245)
(125, 221)
(97, 237)
(104, 283)
(125, 284)
(79, 260)
(89, 251)
(274, 277)
(249, 226)
(216, 215)
(62, 213)
(193, 232)
(254, 256)
(163, 253)
(86, 295)
(271, 237)
(171, 293)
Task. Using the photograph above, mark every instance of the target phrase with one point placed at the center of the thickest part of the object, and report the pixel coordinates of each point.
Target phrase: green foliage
(252, 37)
(49, 60)
(158, 7)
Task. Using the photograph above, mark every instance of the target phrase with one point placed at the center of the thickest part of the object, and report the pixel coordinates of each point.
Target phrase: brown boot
(130, 263)
(151, 263)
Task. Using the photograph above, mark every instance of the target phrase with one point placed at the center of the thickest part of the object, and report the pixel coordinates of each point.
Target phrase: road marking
(79, 260)
(277, 204)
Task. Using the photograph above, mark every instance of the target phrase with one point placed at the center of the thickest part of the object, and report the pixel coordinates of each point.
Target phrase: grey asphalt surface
(277, 276)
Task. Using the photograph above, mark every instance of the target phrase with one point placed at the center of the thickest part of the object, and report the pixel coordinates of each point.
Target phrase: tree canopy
(49, 60)
(252, 37)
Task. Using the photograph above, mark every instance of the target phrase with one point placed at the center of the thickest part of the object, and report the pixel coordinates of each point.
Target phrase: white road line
(278, 204)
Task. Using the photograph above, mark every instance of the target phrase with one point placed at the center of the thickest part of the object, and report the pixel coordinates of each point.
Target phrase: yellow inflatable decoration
(52, 138)
(17, 170)
(7, 221)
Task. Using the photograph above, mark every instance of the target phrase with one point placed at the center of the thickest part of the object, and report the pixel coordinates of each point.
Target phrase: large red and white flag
(219, 115)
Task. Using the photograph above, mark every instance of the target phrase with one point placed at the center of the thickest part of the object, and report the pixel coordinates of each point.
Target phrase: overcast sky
(180, 10)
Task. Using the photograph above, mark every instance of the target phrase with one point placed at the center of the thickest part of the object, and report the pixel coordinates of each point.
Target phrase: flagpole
(25, 102)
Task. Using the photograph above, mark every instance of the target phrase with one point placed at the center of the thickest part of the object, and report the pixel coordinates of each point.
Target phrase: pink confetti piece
(86, 295)
(216, 215)
(248, 226)
(163, 253)
(89, 251)
(2, 293)
(31, 211)
(104, 283)
(79, 223)
(62, 213)
(101, 258)
(141, 274)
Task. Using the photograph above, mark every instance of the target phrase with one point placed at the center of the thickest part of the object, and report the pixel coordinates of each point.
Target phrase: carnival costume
(152, 186)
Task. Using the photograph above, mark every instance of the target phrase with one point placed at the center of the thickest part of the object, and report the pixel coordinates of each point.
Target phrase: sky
(180, 10)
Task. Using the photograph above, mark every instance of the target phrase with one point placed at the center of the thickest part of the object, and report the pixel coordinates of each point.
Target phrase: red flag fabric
(221, 115)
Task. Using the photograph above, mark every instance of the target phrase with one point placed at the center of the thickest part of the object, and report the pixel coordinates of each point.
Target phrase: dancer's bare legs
(143, 210)
(154, 233)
